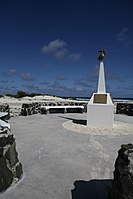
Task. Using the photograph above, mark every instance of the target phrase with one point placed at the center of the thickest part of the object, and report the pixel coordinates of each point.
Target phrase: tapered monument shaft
(101, 80)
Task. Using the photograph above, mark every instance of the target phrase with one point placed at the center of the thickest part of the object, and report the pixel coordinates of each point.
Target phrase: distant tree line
(21, 94)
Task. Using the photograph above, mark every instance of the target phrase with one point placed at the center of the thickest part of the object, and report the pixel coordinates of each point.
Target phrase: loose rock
(123, 174)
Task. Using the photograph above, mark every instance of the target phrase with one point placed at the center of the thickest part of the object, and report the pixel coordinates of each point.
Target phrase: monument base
(100, 111)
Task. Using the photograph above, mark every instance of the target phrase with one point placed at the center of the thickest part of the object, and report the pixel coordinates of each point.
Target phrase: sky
(51, 46)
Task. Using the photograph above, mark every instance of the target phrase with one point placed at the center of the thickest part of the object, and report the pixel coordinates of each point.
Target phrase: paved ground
(56, 160)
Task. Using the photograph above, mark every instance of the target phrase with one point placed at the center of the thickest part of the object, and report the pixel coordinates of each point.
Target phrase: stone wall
(5, 108)
(34, 108)
(124, 108)
(10, 167)
(30, 108)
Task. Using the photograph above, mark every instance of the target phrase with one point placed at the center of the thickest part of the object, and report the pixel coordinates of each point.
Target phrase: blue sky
(51, 46)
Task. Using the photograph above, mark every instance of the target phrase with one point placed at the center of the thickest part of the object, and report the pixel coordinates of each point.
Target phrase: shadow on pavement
(93, 189)
(82, 122)
(76, 121)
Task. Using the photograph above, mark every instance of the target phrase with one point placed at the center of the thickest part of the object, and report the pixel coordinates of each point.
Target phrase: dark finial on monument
(101, 55)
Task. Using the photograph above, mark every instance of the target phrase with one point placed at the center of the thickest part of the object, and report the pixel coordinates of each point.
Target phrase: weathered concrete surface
(124, 118)
(56, 160)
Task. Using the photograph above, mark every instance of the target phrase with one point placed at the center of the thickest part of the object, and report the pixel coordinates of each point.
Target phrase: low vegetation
(21, 94)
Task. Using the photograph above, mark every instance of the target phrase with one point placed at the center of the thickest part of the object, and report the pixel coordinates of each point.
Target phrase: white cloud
(54, 46)
(58, 48)
(60, 53)
(13, 71)
(60, 78)
(23, 75)
(10, 73)
(3, 81)
(82, 83)
(75, 56)
(27, 76)
(122, 35)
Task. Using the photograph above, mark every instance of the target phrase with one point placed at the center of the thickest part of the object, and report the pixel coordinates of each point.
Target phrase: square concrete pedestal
(100, 111)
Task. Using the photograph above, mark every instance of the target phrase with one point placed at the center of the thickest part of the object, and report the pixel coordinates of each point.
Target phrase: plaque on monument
(100, 98)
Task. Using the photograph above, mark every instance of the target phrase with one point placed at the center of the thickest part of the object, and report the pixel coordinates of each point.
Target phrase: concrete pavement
(56, 160)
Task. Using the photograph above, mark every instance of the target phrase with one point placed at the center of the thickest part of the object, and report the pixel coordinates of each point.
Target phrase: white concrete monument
(100, 108)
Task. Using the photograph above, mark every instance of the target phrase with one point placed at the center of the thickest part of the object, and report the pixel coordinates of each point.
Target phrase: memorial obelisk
(100, 108)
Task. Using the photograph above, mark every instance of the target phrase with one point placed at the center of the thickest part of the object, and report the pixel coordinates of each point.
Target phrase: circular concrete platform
(119, 128)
